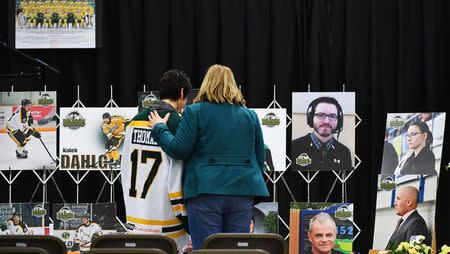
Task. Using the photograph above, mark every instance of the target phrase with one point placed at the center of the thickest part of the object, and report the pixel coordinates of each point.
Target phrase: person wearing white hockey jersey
(19, 127)
(87, 232)
(15, 226)
(151, 180)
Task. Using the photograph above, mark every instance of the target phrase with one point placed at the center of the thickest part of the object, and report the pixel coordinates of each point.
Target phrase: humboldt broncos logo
(45, 100)
(149, 100)
(343, 212)
(303, 160)
(65, 214)
(271, 120)
(74, 120)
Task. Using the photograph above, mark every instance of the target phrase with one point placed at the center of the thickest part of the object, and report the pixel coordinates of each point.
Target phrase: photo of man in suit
(411, 222)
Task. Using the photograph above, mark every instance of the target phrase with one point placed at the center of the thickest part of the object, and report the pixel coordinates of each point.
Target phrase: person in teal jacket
(222, 145)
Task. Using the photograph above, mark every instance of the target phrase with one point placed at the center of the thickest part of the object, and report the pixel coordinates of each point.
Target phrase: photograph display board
(394, 200)
(87, 143)
(265, 218)
(413, 143)
(273, 125)
(145, 99)
(55, 24)
(28, 130)
(342, 234)
(78, 224)
(24, 219)
(318, 118)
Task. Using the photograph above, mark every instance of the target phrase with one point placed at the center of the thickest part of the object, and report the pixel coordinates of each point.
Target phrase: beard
(324, 130)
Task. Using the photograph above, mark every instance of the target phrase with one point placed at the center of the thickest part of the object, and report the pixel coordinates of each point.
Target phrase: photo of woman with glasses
(419, 159)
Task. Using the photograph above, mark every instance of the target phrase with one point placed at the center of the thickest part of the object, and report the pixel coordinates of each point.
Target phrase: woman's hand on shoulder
(155, 119)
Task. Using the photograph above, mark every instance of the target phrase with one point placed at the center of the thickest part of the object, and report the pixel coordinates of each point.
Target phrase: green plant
(271, 222)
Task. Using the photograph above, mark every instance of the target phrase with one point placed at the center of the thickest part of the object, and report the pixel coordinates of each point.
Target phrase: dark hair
(311, 110)
(423, 127)
(171, 84)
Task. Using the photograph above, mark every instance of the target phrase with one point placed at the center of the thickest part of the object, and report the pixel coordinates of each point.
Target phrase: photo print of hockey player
(24, 219)
(415, 140)
(273, 125)
(28, 130)
(77, 225)
(114, 129)
(91, 138)
(55, 24)
(323, 131)
(87, 232)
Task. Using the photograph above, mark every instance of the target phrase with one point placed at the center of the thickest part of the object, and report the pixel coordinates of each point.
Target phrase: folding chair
(22, 250)
(156, 241)
(49, 243)
(229, 251)
(126, 251)
(272, 243)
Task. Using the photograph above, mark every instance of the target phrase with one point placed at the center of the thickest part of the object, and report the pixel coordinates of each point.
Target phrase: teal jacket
(223, 149)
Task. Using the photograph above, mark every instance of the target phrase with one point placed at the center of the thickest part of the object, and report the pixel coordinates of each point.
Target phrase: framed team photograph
(265, 218)
(91, 138)
(273, 125)
(413, 143)
(77, 225)
(145, 99)
(28, 123)
(55, 24)
(323, 131)
(404, 209)
(24, 219)
(321, 228)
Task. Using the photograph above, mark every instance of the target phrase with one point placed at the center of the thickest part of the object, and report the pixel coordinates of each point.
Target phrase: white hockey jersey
(16, 229)
(83, 235)
(19, 120)
(151, 183)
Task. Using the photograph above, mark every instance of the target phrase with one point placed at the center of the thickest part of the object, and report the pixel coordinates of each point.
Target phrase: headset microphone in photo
(311, 110)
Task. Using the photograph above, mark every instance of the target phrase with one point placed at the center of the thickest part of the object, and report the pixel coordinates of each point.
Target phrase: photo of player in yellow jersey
(114, 129)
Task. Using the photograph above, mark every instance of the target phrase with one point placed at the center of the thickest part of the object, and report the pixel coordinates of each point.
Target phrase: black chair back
(272, 243)
(156, 241)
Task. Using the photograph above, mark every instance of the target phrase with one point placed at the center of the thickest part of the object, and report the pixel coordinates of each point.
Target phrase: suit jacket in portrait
(413, 225)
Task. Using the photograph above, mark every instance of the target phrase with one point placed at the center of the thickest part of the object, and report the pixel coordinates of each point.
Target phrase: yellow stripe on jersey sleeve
(179, 207)
(153, 222)
(176, 195)
(177, 234)
(139, 123)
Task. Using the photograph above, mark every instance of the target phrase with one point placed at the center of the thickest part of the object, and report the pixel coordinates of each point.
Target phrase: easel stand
(341, 175)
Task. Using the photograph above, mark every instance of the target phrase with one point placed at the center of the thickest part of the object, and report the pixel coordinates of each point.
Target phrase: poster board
(273, 125)
(83, 141)
(308, 153)
(55, 24)
(24, 219)
(20, 149)
(413, 144)
(69, 223)
(302, 213)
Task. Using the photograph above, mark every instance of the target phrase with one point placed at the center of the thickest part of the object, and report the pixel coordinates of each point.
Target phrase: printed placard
(91, 138)
(413, 144)
(413, 200)
(332, 219)
(55, 24)
(323, 131)
(28, 130)
(24, 219)
(273, 125)
(78, 224)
